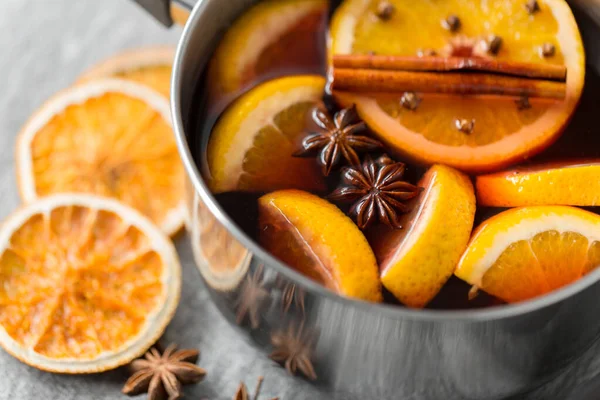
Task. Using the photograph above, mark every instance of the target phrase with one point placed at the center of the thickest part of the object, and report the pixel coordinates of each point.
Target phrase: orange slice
(527, 252)
(416, 261)
(111, 138)
(221, 259)
(149, 66)
(251, 146)
(558, 183)
(502, 134)
(317, 239)
(272, 37)
(86, 284)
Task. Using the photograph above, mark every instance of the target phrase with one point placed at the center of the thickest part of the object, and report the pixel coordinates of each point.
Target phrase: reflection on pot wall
(358, 350)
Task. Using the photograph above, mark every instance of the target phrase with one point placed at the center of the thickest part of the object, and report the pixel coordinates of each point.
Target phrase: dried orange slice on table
(252, 145)
(111, 138)
(150, 66)
(417, 260)
(526, 252)
(271, 37)
(439, 130)
(558, 183)
(86, 283)
(317, 239)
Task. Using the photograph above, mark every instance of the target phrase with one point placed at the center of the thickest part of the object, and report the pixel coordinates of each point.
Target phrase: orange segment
(416, 261)
(558, 183)
(251, 146)
(502, 133)
(112, 138)
(526, 252)
(272, 37)
(316, 238)
(150, 66)
(86, 283)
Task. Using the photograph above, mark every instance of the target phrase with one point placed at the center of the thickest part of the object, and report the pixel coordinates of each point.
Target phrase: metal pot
(356, 348)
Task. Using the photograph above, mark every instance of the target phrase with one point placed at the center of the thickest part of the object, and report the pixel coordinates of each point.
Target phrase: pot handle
(168, 12)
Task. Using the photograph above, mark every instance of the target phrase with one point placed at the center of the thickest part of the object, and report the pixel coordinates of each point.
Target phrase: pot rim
(390, 311)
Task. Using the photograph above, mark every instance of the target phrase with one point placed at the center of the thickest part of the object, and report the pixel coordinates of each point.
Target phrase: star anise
(251, 297)
(338, 139)
(291, 295)
(161, 376)
(294, 349)
(379, 191)
(242, 391)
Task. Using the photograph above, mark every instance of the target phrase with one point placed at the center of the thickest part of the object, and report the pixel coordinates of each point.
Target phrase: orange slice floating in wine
(272, 36)
(317, 239)
(252, 144)
(502, 133)
(558, 183)
(526, 252)
(417, 260)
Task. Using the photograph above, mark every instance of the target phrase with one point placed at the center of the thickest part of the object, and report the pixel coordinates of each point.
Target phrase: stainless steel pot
(360, 349)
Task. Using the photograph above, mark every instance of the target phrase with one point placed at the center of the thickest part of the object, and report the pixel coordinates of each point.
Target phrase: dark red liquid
(301, 51)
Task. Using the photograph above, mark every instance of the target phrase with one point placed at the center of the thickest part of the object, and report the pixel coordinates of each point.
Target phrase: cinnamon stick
(384, 81)
(449, 64)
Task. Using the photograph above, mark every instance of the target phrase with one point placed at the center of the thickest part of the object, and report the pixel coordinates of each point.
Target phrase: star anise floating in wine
(162, 376)
(378, 190)
(338, 139)
(293, 348)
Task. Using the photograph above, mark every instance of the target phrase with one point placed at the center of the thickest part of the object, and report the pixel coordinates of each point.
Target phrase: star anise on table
(250, 299)
(242, 391)
(378, 190)
(293, 348)
(338, 139)
(162, 376)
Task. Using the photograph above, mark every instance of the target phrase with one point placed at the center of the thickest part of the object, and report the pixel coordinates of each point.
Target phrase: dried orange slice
(149, 66)
(558, 183)
(527, 252)
(86, 283)
(111, 138)
(416, 261)
(273, 36)
(317, 239)
(221, 259)
(251, 146)
(503, 133)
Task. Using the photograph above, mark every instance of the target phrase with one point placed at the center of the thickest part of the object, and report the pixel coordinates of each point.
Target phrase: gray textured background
(44, 45)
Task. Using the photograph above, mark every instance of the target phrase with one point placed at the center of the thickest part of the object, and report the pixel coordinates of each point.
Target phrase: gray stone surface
(44, 45)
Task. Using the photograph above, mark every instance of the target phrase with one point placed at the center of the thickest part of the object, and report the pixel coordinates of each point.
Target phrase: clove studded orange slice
(439, 130)
(417, 260)
(272, 36)
(557, 183)
(149, 66)
(108, 137)
(527, 252)
(320, 241)
(86, 283)
(251, 146)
